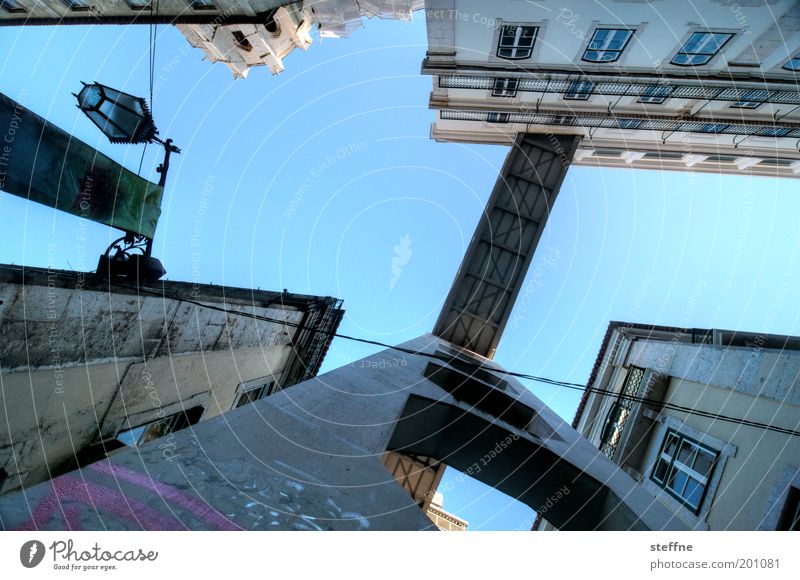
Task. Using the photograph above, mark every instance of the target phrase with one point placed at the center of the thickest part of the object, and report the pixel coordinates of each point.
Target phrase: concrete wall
(751, 370)
(81, 360)
(48, 425)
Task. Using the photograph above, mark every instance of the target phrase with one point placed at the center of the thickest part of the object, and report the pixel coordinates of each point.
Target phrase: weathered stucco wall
(81, 360)
(748, 477)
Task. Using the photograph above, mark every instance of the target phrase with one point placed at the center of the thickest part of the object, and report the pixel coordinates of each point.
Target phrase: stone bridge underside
(328, 452)
(309, 457)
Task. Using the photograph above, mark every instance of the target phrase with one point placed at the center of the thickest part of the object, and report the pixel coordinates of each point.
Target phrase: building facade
(88, 369)
(241, 46)
(709, 87)
(708, 421)
(239, 33)
(78, 12)
(443, 519)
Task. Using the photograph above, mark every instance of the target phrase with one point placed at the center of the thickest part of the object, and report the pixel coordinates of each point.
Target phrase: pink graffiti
(199, 509)
(97, 497)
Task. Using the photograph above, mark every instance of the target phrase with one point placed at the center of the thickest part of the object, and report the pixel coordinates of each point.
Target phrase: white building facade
(66, 12)
(710, 86)
(708, 421)
(242, 46)
(239, 33)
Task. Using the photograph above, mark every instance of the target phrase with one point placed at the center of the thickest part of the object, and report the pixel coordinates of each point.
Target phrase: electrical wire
(558, 383)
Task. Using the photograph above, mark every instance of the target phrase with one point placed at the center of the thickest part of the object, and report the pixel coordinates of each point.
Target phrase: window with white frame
(774, 131)
(202, 4)
(751, 99)
(579, 90)
(505, 87)
(607, 44)
(498, 117)
(12, 7)
(712, 128)
(793, 64)
(684, 468)
(247, 393)
(656, 94)
(628, 123)
(77, 5)
(516, 41)
(700, 48)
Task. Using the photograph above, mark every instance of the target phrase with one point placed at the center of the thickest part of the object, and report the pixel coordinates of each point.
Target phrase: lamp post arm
(162, 169)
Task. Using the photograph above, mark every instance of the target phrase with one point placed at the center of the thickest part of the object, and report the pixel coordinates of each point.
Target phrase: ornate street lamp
(124, 118)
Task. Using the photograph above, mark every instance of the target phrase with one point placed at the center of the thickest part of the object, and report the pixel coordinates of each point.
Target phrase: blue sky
(308, 181)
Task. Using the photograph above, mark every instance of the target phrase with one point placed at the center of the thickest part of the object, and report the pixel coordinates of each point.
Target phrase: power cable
(444, 358)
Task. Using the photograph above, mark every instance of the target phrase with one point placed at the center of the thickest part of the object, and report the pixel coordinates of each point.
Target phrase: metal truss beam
(494, 266)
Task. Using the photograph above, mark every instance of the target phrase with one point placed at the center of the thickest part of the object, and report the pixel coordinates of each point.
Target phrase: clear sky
(308, 180)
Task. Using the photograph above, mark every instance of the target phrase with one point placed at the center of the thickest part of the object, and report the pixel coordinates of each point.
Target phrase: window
(793, 64)
(253, 391)
(607, 44)
(138, 4)
(202, 4)
(142, 434)
(505, 87)
(774, 131)
(751, 99)
(77, 5)
(691, 127)
(498, 117)
(712, 128)
(516, 42)
(579, 90)
(12, 7)
(656, 94)
(790, 514)
(684, 468)
(271, 24)
(700, 48)
(241, 42)
(628, 123)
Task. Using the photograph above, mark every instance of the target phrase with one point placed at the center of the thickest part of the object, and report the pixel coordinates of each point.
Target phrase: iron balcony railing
(631, 122)
(620, 412)
(628, 89)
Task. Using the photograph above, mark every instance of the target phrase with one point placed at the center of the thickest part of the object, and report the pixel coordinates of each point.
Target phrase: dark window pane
(704, 463)
(661, 470)
(672, 443)
(685, 454)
